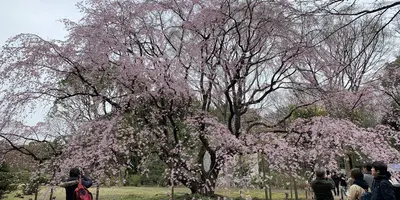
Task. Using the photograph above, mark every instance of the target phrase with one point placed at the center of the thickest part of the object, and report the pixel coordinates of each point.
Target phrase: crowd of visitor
(372, 182)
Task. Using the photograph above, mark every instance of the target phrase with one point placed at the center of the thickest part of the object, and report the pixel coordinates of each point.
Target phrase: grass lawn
(152, 193)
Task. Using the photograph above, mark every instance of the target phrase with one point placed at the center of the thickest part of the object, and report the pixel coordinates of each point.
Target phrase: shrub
(6, 180)
(33, 183)
(22, 177)
(154, 170)
(134, 180)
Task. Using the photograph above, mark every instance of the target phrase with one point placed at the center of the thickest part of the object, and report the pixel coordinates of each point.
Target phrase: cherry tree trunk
(202, 183)
(206, 187)
(208, 174)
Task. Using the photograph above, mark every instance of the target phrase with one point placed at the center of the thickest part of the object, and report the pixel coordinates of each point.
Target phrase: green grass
(152, 193)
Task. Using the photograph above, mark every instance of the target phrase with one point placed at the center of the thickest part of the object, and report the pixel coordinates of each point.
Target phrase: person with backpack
(75, 184)
(359, 188)
(382, 189)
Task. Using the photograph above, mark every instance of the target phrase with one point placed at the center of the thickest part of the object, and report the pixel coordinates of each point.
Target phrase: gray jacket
(369, 179)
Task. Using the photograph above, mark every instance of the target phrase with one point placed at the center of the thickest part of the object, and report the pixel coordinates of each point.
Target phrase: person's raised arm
(86, 181)
(68, 183)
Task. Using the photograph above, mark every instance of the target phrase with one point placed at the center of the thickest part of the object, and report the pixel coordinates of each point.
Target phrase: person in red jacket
(72, 182)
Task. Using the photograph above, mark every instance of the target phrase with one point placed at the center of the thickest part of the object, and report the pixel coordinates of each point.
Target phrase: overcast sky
(39, 17)
(35, 16)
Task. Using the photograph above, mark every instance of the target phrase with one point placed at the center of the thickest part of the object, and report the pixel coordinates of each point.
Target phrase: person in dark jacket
(322, 186)
(72, 183)
(382, 189)
(336, 179)
(343, 186)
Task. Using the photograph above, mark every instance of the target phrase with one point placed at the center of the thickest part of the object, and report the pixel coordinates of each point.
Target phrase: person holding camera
(323, 186)
(72, 182)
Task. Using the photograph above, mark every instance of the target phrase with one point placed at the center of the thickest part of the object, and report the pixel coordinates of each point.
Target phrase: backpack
(81, 192)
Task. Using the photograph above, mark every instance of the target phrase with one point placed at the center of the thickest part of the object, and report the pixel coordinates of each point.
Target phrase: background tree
(390, 87)
(6, 180)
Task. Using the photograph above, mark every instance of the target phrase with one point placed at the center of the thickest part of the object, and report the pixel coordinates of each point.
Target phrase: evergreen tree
(6, 180)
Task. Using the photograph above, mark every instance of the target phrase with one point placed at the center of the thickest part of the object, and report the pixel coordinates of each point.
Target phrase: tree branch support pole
(264, 176)
(172, 183)
(291, 191)
(296, 193)
(270, 188)
(291, 185)
(37, 181)
(347, 165)
(51, 193)
(36, 190)
(97, 191)
(306, 193)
